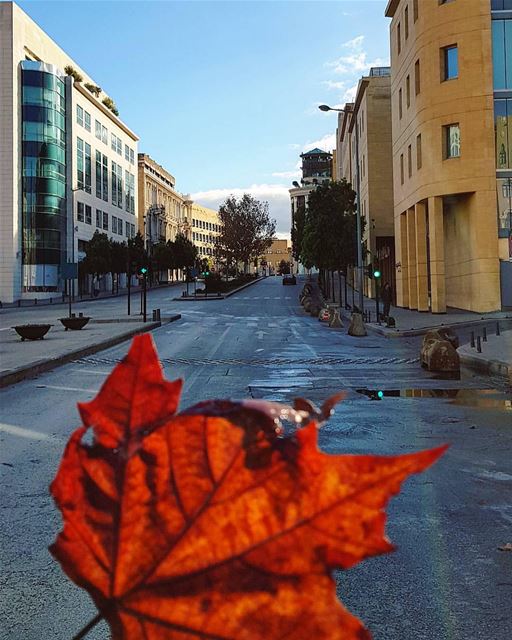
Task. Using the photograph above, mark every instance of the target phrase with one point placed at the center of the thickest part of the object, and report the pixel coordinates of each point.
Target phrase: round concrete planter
(75, 324)
(32, 331)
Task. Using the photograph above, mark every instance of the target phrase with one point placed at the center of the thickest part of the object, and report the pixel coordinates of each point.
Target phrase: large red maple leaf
(209, 524)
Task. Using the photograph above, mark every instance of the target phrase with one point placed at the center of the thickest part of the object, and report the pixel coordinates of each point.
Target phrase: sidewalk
(495, 358)
(20, 360)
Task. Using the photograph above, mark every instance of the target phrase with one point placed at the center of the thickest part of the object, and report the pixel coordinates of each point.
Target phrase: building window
(452, 141)
(127, 153)
(450, 62)
(399, 38)
(502, 54)
(88, 168)
(80, 211)
(419, 159)
(79, 115)
(132, 156)
(88, 214)
(104, 134)
(503, 133)
(87, 121)
(401, 168)
(415, 10)
(97, 129)
(400, 107)
(409, 160)
(406, 22)
(408, 90)
(98, 174)
(417, 77)
(104, 162)
(113, 141)
(105, 221)
(80, 163)
(98, 218)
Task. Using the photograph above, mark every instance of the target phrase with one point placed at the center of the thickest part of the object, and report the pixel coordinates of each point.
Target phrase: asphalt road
(447, 580)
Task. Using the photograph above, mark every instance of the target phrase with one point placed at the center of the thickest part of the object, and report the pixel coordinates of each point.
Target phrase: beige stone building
(278, 250)
(448, 86)
(163, 212)
(370, 147)
(205, 229)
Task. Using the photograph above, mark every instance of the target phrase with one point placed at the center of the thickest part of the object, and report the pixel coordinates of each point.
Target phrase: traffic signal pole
(144, 290)
(129, 289)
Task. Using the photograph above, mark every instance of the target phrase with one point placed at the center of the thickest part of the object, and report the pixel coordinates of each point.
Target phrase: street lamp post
(324, 107)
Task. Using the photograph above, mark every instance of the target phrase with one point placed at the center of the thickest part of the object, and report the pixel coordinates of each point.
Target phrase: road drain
(484, 398)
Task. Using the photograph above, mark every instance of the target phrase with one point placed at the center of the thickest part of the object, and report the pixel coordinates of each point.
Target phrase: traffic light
(143, 270)
(376, 274)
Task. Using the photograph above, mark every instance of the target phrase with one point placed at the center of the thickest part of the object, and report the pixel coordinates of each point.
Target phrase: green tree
(284, 267)
(330, 239)
(118, 260)
(185, 253)
(97, 261)
(297, 231)
(136, 250)
(247, 230)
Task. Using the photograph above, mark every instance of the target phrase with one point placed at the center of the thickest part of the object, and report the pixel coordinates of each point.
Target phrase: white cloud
(294, 145)
(327, 143)
(276, 195)
(356, 61)
(350, 93)
(287, 174)
(330, 84)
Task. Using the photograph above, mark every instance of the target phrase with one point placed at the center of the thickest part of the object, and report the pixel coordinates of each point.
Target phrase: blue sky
(224, 94)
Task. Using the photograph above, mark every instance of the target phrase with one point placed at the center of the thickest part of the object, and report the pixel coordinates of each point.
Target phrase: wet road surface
(447, 580)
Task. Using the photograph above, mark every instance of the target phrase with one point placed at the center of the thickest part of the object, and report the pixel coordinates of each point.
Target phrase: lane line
(27, 433)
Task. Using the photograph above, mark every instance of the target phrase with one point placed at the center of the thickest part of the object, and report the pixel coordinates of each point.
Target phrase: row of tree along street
(324, 233)
(246, 232)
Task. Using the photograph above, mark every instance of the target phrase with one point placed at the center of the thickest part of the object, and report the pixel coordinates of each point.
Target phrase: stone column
(402, 284)
(411, 259)
(420, 215)
(436, 240)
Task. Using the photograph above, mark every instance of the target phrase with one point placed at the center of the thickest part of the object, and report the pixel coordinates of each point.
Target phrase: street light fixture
(325, 107)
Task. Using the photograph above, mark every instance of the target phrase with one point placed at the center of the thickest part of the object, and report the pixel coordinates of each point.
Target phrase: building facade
(451, 82)
(205, 229)
(67, 163)
(369, 148)
(163, 212)
(278, 251)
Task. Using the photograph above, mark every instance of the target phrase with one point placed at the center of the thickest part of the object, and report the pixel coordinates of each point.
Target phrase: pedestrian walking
(387, 297)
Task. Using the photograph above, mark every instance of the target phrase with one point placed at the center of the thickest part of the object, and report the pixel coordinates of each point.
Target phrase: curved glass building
(43, 104)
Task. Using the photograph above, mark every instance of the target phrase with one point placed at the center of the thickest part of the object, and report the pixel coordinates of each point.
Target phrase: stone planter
(32, 331)
(74, 323)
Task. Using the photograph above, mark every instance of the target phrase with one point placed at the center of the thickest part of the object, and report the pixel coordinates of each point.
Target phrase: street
(447, 579)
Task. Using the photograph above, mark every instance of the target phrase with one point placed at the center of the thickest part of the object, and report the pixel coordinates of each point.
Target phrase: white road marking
(92, 372)
(57, 388)
(27, 433)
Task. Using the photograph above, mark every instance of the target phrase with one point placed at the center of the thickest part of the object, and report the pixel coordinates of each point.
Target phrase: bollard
(158, 314)
(35, 301)
(154, 315)
(498, 333)
(80, 315)
(484, 338)
(472, 339)
(478, 344)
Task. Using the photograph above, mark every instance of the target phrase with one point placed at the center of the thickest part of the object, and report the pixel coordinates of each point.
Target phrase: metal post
(377, 300)
(478, 344)
(129, 286)
(472, 339)
(69, 297)
(144, 288)
(498, 333)
(484, 338)
(345, 286)
(358, 219)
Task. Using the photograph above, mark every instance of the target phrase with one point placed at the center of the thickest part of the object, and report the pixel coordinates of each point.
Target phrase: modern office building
(452, 113)
(163, 211)
(67, 164)
(368, 147)
(206, 228)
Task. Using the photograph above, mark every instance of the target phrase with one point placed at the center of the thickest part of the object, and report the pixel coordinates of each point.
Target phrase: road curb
(409, 333)
(484, 365)
(221, 297)
(35, 368)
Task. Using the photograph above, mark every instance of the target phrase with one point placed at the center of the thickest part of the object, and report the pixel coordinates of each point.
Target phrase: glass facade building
(501, 12)
(43, 175)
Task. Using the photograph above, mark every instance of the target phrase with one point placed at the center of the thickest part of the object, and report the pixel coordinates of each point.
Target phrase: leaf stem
(81, 634)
